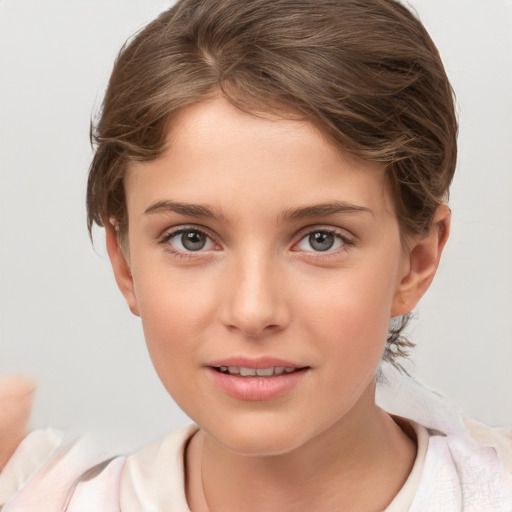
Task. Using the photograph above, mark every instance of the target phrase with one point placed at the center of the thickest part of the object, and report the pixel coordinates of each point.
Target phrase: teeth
(253, 372)
(245, 372)
(267, 372)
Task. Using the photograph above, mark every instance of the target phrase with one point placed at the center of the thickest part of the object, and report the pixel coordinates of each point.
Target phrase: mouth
(257, 380)
(272, 371)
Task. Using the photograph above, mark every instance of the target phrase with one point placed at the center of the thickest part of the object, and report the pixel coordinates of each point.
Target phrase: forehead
(218, 155)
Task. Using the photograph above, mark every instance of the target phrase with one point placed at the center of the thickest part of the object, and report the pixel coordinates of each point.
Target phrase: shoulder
(462, 474)
(50, 473)
(500, 439)
(467, 465)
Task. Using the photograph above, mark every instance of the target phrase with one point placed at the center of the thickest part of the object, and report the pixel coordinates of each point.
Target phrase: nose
(254, 302)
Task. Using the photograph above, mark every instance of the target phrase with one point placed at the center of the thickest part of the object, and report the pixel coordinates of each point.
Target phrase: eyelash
(346, 241)
(169, 235)
(342, 237)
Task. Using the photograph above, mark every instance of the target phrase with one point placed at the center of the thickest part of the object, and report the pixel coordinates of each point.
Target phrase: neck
(333, 471)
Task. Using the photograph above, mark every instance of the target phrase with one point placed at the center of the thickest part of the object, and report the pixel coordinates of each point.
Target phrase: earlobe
(122, 270)
(424, 256)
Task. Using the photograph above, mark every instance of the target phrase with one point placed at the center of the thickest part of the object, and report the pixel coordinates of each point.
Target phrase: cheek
(175, 311)
(348, 322)
(349, 315)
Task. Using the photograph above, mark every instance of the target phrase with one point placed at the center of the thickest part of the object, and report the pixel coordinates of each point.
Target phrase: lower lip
(256, 388)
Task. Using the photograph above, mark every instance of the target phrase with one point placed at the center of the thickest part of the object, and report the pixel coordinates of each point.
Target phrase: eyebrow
(321, 210)
(199, 210)
(191, 210)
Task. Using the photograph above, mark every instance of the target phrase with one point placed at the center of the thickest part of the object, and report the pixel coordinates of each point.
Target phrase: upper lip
(256, 362)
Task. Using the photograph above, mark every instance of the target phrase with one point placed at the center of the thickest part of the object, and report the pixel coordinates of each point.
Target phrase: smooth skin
(254, 236)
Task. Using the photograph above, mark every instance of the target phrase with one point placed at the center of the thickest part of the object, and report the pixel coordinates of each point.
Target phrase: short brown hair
(365, 71)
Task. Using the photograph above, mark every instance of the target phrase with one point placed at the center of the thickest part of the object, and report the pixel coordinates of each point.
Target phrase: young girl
(272, 177)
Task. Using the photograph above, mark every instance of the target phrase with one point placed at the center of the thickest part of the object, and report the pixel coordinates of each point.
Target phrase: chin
(257, 439)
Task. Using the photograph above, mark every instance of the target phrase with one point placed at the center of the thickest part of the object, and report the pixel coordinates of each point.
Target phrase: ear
(424, 254)
(122, 270)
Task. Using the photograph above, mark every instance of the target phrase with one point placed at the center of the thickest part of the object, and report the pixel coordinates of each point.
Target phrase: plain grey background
(63, 320)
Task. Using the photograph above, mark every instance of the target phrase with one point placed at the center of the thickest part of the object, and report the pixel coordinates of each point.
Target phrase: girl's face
(255, 247)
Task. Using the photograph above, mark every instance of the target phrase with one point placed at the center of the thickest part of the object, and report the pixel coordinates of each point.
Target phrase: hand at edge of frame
(15, 404)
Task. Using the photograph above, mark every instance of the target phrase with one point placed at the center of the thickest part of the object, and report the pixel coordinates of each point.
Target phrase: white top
(460, 467)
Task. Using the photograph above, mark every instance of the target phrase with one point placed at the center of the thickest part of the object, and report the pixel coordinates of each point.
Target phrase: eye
(322, 240)
(188, 240)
